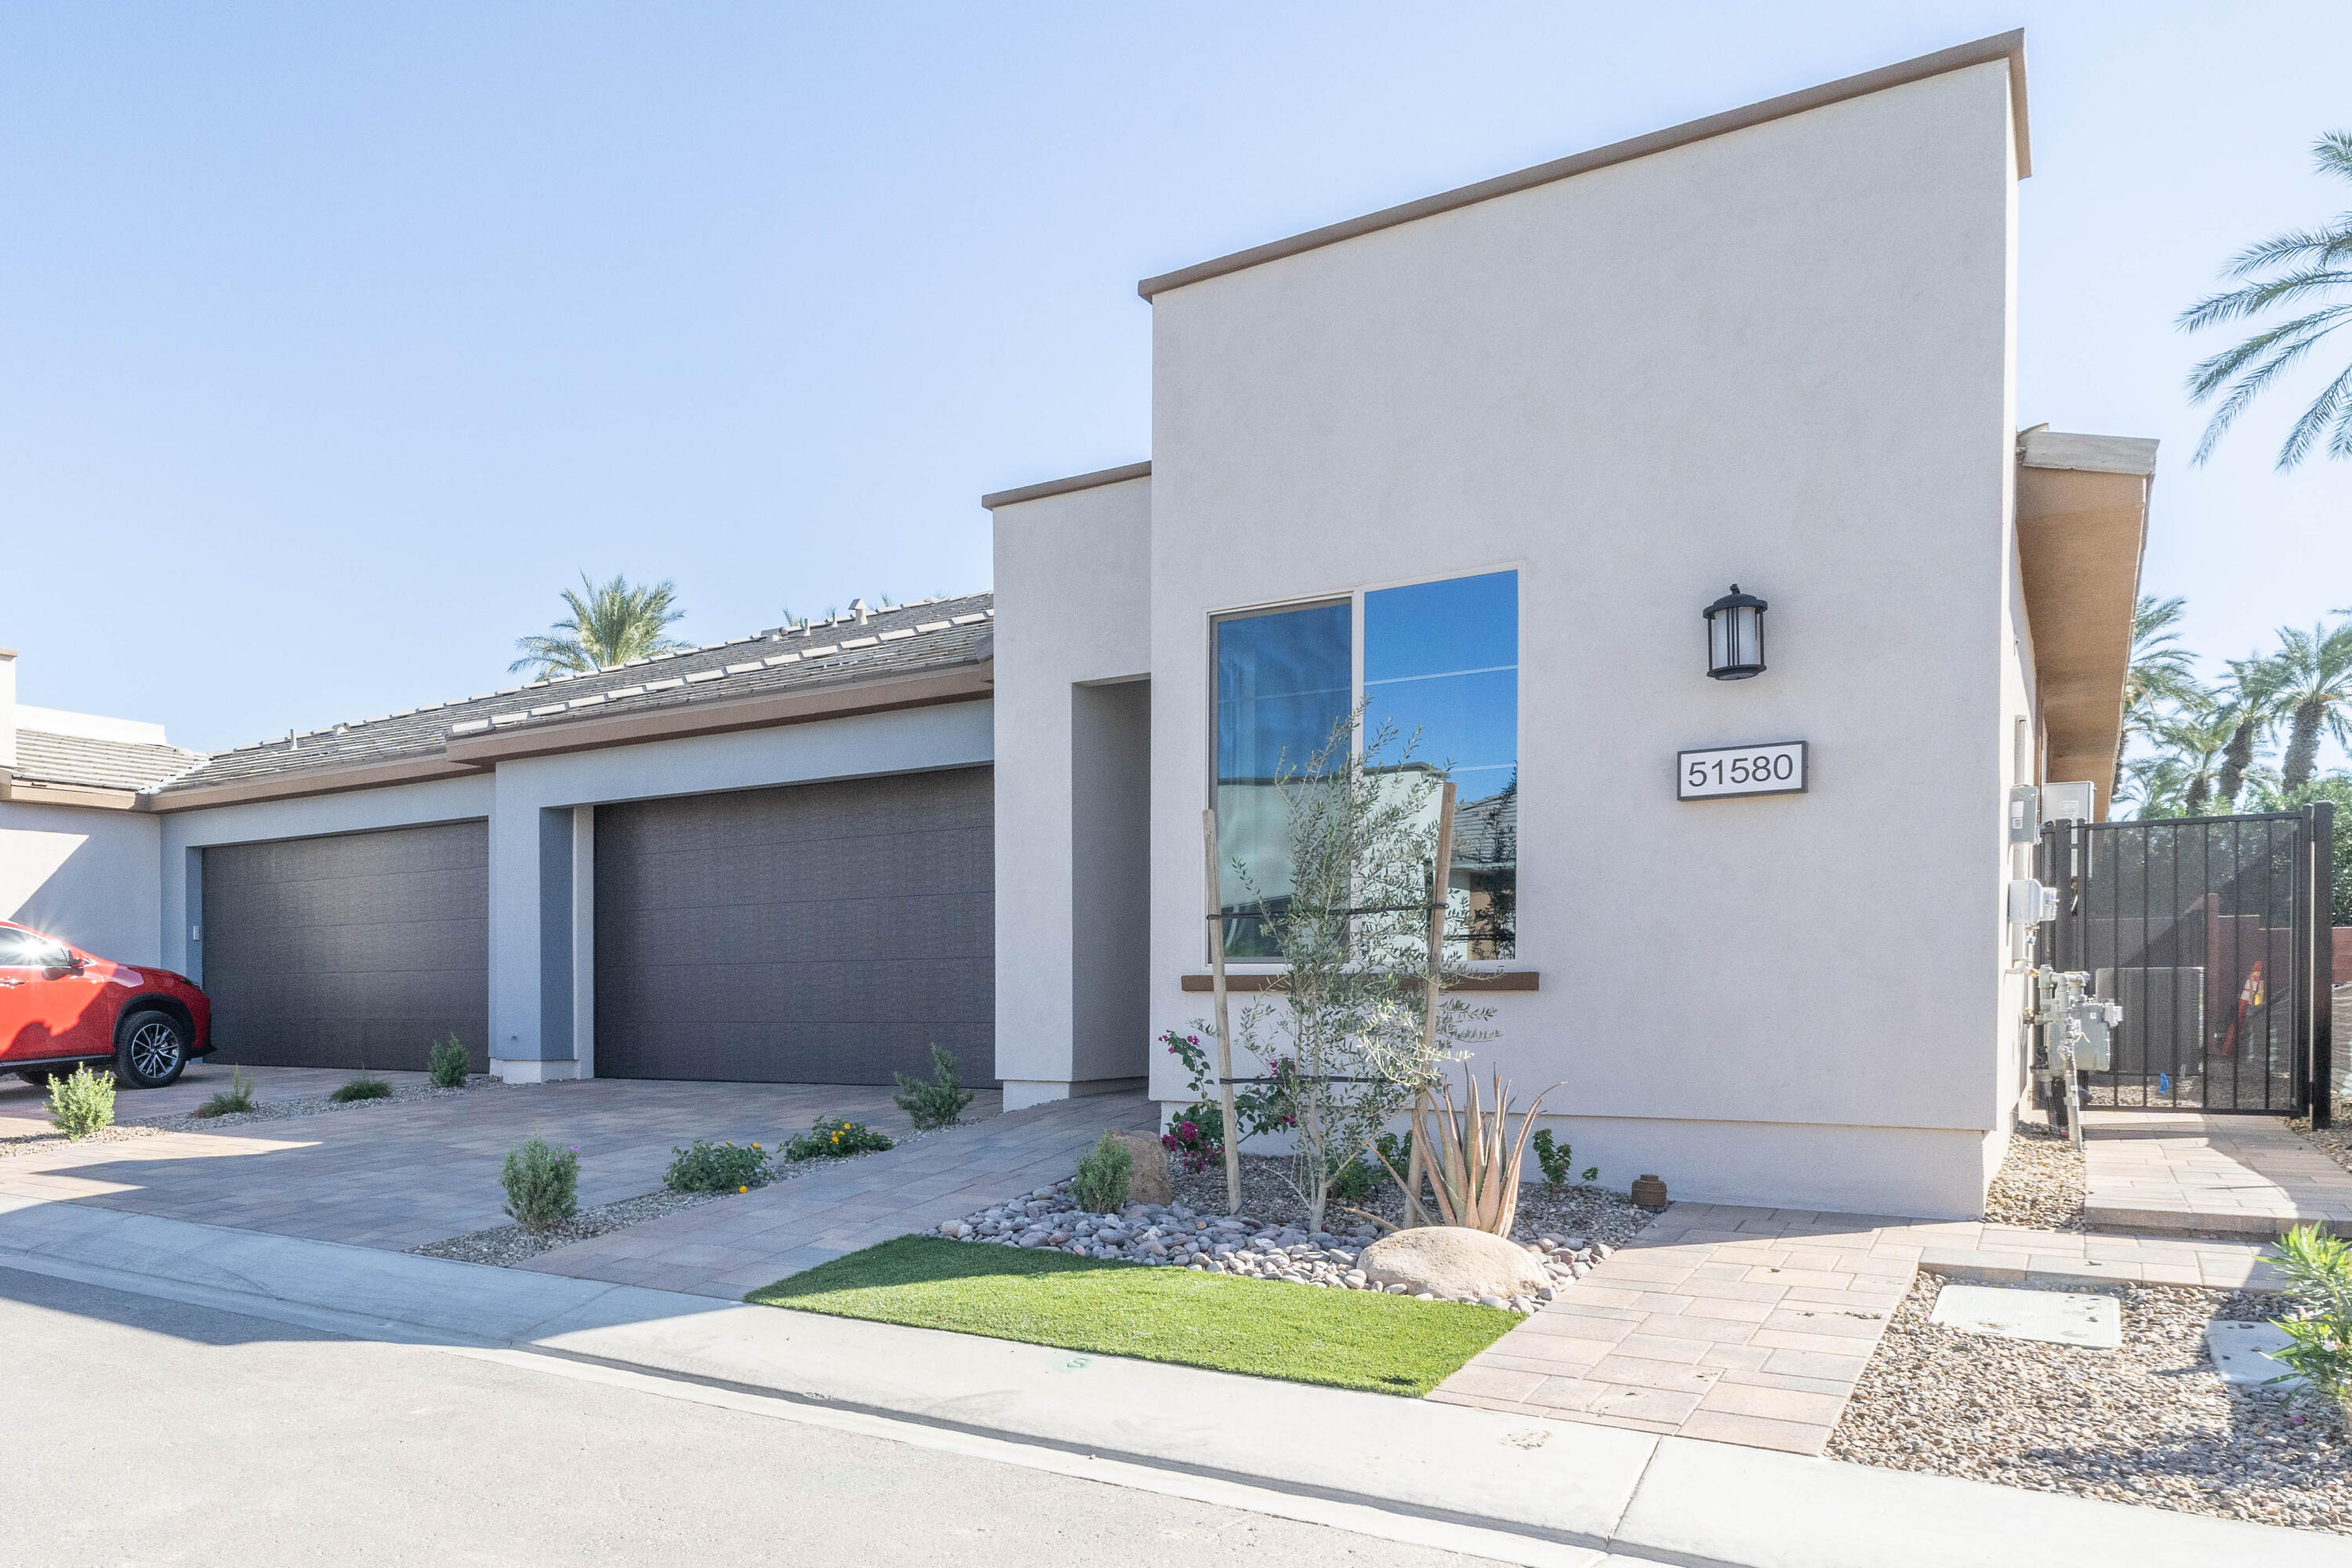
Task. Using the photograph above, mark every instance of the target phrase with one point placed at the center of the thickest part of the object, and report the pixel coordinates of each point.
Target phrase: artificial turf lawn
(1347, 1339)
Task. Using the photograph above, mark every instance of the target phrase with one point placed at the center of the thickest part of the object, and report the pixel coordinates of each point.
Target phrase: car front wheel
(154, 1049)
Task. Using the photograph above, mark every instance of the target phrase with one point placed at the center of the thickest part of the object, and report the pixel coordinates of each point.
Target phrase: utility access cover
(2054, 1317)
(2241, 1354)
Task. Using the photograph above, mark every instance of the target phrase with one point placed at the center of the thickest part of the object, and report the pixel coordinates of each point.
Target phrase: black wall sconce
(1735, 635)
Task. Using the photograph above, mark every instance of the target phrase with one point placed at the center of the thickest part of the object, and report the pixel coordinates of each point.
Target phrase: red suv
(60, 1007)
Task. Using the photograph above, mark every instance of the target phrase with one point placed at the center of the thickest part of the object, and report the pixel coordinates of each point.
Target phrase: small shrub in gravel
(1559, 1162)
(1100, 1185)
(2318, 1271)
(82, 1101)
(361, 1087)
(543, 1183)
(937, 1103)
(831, 1138)
(706, 1167)
(447, 1066)
(234, 1100)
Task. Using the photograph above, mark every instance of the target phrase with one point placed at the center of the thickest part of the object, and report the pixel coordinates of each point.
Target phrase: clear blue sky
(334, 340)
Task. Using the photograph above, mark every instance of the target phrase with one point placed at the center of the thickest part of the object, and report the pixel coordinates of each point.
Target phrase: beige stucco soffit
(2082, 530)
(2003, 48)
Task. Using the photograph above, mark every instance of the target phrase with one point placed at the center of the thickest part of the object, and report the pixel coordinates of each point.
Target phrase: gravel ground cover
(315, 1105)
(2151, 1423)
(1269, 1239)
(47, 1138)
(506, 1245)
(2040, 1184)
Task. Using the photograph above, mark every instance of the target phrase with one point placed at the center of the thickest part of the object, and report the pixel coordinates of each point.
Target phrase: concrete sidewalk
(1667, 1500)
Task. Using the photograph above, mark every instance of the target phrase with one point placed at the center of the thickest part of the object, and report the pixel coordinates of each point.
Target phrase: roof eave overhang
(480, 754)
(37, 792)
(2082, 534)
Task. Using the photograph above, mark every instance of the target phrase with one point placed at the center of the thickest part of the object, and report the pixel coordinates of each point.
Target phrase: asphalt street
(148, 1431)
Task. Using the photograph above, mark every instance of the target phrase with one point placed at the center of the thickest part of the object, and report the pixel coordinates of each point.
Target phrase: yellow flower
(742, 1189)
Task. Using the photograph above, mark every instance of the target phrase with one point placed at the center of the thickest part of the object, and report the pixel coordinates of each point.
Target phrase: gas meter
(2077, 1035)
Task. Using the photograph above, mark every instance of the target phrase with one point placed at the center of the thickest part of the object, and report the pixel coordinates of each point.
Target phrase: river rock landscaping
(2040, 1182)
(1564, 1233)
(2151, 1423)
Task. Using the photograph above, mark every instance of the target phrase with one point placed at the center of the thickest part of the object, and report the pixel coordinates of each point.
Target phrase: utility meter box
(2076, 802)
(2032, 904)
(2024, 814)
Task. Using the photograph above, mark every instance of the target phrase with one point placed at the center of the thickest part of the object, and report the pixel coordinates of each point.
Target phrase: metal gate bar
(2215, 935)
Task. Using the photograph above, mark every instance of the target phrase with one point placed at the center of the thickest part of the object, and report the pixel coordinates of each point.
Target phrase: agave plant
(1473, 1159)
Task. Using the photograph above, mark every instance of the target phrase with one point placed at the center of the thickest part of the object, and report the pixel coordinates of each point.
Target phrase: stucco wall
(1783, 357)
(85, 876)
(1073, 607)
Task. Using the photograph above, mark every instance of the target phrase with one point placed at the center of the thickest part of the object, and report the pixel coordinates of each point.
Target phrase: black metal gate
(2214, 934)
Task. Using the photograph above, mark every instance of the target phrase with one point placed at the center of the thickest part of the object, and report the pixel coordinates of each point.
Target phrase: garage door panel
(813, 933)
(357, 950)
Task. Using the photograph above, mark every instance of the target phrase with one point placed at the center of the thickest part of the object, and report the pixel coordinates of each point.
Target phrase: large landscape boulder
(1149, 1184)
(1449, 1260)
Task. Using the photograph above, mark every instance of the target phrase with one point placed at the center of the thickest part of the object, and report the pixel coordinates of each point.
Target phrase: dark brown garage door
(818, 933)
(356, 950)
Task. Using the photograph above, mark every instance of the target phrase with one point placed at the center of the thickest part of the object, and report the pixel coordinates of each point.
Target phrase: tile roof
(932, 633)
(78, 761)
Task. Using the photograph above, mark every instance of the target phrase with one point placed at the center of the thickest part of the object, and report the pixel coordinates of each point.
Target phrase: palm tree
(2159, 673)
(2196, 740)
(2152, 787)
(612, 624)
(2313, 672)
(2299, 266)
(2251, 701)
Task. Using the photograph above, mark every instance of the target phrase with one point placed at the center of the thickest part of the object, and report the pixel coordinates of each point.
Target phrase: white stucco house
(1480, 461)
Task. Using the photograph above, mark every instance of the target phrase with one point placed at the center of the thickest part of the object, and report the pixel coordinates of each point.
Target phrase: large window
(1441, 663)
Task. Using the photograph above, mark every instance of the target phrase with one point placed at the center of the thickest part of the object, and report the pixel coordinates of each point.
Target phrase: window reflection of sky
(1441, 662)
(1443, 659)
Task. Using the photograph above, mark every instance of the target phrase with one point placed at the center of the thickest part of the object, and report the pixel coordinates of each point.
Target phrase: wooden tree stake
(1215, 913)
(1428, 999)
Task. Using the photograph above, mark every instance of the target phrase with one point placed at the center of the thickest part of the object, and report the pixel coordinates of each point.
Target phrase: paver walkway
(728, 1249)
(1749, 1325)
(2185, 1171)
(398, 1174)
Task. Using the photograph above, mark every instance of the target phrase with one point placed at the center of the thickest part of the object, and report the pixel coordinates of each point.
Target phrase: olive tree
(1348, 1034)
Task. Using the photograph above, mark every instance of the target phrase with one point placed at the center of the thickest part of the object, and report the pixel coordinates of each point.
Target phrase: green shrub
(234, 1100)
(829, 1138)
(937, 1103)
(1100, 1185)
(82, 1103)
(2317, 1268)
(363, 1087)
(707, 1167)
(447, 1066)
(1558, 1162)
(1354, 1180)
(543, 1183)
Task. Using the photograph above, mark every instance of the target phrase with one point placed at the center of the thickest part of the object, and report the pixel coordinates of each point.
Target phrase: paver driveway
(398, 1174)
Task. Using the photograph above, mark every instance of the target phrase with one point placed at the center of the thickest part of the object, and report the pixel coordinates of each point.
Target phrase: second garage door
(814, 933)
(359, 950)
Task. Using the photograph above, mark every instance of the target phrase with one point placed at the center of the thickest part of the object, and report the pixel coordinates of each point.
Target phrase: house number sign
(1776, 767)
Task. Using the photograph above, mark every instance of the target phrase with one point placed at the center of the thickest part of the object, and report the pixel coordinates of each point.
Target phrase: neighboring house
(1480, 461)
(599, 873)
(77, 860)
